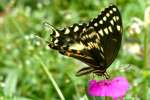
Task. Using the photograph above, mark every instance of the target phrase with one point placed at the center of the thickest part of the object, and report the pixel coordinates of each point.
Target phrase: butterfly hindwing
(112, 41)
(105, 38)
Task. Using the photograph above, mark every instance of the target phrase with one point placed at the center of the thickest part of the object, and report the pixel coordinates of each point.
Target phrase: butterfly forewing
(96, 43)
(66, 37)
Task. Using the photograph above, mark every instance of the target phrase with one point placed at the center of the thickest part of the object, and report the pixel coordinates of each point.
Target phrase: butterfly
(95, 43)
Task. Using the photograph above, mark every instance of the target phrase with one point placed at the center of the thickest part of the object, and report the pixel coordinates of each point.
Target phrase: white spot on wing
(57, 34)
(102, 55)
(117, 18)
(55, 44)
(106, 30)
(118, 28)
(91, 35)
(111, 11)
(56, 41)
(83, 38)
(86, 36)
(76, 29)
(101, 22)
(112, 22)
(98, 36)
(95, 24)
(102, 49)
(110, 29)
(67, 31)
(84, 29)
(104, 18)
(101, 32)
(114, 9)
(97, 40)
(114, 18)
(107, 14)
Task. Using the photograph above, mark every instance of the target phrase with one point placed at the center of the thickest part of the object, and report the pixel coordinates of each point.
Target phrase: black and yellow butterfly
(95, 43)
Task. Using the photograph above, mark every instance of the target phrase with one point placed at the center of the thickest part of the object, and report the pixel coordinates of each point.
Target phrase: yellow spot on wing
(77, 46)
(78, 51)
(68, 53)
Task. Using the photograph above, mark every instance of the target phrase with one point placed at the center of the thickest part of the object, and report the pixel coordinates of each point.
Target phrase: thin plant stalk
(146, 56)
(146, 31)
(51, 78)
(146, 47)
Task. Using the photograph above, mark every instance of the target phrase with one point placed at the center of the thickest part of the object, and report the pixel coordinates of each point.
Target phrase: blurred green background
(29, 70)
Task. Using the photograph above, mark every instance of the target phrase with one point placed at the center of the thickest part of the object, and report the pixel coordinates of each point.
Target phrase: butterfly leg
(85, 70)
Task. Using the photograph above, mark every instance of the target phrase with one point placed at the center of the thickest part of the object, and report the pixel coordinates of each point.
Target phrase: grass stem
(146, 46)
(51, 78)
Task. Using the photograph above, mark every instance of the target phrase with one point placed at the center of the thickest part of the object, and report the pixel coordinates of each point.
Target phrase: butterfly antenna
(38, 37)
(49, 26)
(127, 68)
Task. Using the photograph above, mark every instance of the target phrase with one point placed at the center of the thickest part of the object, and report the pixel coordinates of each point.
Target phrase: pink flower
(115, 88)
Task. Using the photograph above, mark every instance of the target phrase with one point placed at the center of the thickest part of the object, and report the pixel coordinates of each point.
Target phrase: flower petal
(119, 86)
(115, 88)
